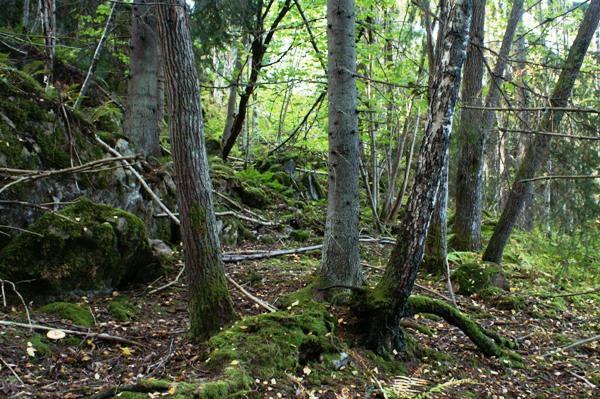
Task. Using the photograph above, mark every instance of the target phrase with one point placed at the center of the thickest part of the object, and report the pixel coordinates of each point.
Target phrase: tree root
(489, 342)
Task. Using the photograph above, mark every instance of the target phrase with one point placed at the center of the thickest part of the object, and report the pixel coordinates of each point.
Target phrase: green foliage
(80, 315)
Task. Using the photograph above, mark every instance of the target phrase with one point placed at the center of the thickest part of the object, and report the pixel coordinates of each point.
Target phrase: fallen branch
(141, 180)
(17, 293)
(101, 336)
(12, 370)
(230, 213)
(230, 257)
(573, 345)
(164, 287)
(253, 298)
(30, 175)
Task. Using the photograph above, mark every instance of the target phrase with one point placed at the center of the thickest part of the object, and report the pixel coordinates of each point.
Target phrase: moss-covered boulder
(85, 247)
(470, 278)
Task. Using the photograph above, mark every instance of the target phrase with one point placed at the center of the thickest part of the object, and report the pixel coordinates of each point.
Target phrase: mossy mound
(74, 312)
(122, 309)
(470, 278)
(85, 247)
(270, 344)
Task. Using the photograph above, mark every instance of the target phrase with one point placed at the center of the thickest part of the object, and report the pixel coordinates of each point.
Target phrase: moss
(470, 278)
(81, 248)
(254, 196)
(490, 343)
(500, 299)
(76, 313)
(271, 344)
(300, 235)
(198, 218)
(41, 345)
(121, 309)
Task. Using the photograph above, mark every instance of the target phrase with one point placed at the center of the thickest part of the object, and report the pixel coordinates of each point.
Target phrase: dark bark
(340, 263)
(390, 296)
(436, 245)
(144, 112)
(467, 219)
(258, 47)
(210, 306)
(539, 148)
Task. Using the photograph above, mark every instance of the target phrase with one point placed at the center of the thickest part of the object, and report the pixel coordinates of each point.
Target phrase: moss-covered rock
(85, 247)
(78, 314)
(470, 278)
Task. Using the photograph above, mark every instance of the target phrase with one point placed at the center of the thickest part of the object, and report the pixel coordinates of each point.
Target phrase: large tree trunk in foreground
(467, 219)
(209, 305)
(390, 295)
(340, 264)
(143, 115)
(538, 148)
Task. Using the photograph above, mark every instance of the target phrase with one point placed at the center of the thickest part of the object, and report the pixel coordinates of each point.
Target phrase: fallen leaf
(30, 349)
(126, 351)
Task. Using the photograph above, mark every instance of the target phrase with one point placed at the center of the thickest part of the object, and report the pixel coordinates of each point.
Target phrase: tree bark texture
(340, 262)
(436, 245)
(144, 113)
(390, 296)
(469, 182)
(209, 305)
(538, 149)
(48, 12)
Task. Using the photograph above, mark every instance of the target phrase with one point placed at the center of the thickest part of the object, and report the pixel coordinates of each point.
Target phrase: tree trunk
(48, 13)
(539, 148)
(144, 113)
(436, 245)
(467, 219)
(391, 294)
(25, 18)
(210, 306)
(259, 47)
(90, 73)
(340, 262)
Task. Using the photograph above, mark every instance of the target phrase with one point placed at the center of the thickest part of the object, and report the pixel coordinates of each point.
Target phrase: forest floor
(453, 368)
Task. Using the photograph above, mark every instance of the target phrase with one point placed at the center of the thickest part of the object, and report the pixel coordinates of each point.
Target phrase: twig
(163, 287)
(30, 175)
(101, 336)
(573, 345)
(533, 109)
(12, 371)
(253, 298)
(570, 136)
(592, 291)
(14, 287)
(2, 226)
(582, 378)
(556, 177)
(141, 180)
(230, 213)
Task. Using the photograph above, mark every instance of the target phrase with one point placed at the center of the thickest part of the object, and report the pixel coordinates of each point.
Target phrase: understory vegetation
(324, 199)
